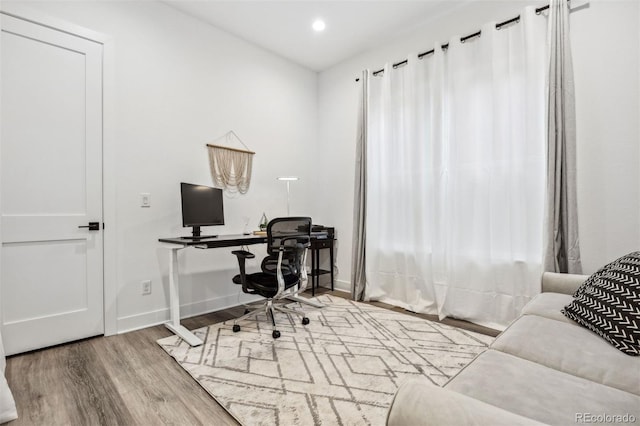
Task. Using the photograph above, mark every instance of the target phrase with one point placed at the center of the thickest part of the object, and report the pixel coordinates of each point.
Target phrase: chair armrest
(302, 239)
(303, 242)
(420, 402)
(553, 282)
(242, 256)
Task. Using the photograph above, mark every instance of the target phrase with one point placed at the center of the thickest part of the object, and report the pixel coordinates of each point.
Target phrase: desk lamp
(288, 180)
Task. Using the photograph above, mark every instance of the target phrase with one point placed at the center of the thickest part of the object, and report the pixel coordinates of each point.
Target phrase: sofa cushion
(571, 349)
(548, 305)
(538, 392)
(608, 303)
(420, 402)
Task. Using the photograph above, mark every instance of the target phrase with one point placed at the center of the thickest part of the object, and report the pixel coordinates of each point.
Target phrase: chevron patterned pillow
(608, 303)
(596, 275)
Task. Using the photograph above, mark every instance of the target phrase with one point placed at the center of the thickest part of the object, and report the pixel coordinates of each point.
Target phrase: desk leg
(174, 302)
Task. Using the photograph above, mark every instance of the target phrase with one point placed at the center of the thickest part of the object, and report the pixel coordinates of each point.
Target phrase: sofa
(543, 369)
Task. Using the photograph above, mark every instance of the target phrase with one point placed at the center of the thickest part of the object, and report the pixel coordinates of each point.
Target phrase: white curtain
(456, 176)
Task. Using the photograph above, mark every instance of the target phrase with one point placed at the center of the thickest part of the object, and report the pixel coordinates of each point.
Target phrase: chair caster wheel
(275, 334)
(236, 328)
(305, 321)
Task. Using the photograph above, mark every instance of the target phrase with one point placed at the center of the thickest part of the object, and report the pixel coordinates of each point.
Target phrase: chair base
(269, 308)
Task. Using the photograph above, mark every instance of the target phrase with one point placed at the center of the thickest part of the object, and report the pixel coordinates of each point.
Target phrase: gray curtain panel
(358, 279)
(562, 249)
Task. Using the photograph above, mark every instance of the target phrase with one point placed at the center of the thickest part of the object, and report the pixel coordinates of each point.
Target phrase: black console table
(318, 244)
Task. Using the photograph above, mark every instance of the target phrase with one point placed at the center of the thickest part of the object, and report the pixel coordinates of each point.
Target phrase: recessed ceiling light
(318, 25)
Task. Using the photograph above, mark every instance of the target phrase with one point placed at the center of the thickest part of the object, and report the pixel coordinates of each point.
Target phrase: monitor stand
(196, 235)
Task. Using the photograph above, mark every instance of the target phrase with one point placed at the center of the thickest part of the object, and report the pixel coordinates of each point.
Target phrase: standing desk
(177, 244)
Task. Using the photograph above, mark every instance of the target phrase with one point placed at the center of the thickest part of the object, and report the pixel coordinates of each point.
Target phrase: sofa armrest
(553, 282)
(420, 402)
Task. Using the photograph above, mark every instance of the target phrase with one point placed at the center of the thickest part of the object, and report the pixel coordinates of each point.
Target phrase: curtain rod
(462, 39)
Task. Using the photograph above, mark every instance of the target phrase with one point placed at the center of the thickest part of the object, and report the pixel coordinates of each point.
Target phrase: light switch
(145, 199)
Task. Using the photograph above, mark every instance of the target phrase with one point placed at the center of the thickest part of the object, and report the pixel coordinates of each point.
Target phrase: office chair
(283, 272)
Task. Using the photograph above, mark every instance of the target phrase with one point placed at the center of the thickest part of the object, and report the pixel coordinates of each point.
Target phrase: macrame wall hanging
(230, 167)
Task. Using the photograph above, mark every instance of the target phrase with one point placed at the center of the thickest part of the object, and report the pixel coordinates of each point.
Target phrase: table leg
(331, 265)
(174, 302)
(314, 267)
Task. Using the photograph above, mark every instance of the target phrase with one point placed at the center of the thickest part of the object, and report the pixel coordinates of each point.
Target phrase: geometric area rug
(343, 368)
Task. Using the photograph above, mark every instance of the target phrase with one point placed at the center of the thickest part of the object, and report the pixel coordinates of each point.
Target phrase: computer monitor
(201, 206)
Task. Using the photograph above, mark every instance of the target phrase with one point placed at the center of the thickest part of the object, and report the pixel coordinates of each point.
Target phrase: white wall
(606, 53)
(179, 84)
(607, 63)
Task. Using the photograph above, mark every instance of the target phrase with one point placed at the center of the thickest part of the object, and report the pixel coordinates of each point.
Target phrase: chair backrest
(284, 227)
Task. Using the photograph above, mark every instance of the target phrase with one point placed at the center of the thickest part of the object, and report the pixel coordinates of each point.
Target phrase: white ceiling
(284, 27)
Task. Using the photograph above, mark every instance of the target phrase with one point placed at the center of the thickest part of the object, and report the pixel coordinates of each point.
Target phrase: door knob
(93, 226)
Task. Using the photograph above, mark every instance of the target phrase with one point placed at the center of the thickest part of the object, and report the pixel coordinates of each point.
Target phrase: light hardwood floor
(125, 379)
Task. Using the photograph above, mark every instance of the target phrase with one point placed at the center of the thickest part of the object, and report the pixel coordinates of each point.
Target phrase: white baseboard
(342, 285)
(160, 316)
(338, 285)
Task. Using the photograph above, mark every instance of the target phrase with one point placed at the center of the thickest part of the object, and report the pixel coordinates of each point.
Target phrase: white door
(51, 278)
